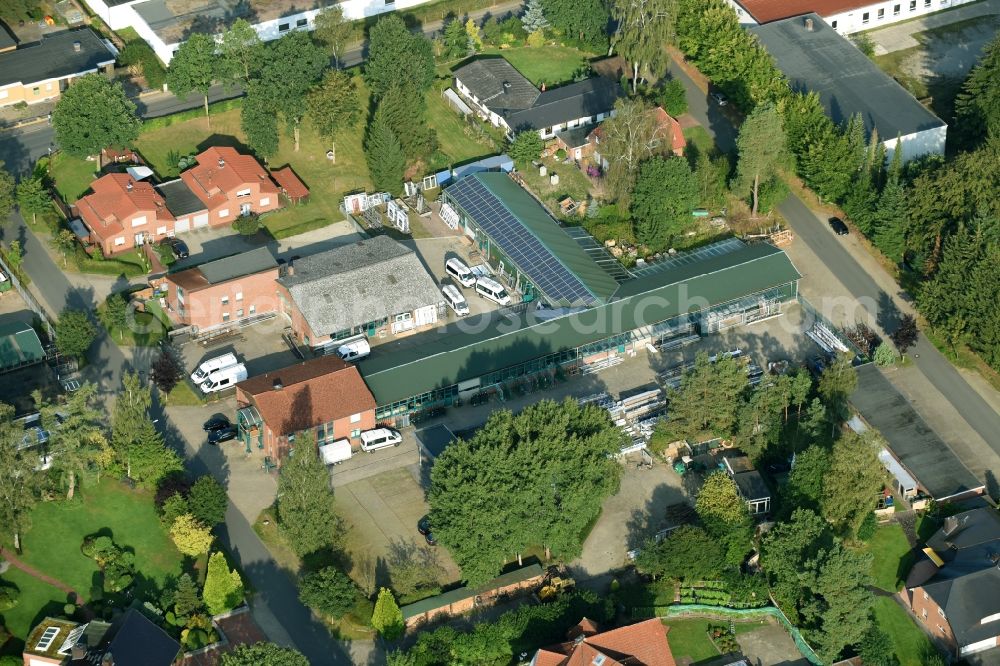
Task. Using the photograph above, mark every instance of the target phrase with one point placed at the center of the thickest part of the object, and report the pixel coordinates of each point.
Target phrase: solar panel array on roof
(550, 276)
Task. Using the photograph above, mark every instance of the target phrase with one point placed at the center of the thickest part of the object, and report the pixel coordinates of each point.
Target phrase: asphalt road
(815, 233)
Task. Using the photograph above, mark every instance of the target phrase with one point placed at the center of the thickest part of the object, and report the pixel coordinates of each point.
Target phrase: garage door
(182, 225)
(201, 220)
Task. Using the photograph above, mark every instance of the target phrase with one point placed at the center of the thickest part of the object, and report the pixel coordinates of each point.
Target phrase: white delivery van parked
(491, 289)
(455, 299)
(211, 365)
(458, 270)
(354, 350)
(335, 452)
(379, 438)
(225, 378)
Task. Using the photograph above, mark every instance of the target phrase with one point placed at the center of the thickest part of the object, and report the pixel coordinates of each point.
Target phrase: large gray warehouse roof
(935, 466)
(823, 61)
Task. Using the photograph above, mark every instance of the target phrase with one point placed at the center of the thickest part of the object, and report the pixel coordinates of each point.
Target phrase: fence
(29, 299)
(821, 321)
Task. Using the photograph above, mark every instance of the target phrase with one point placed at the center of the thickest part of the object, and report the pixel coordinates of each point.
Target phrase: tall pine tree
(384, 155)
(533, 18)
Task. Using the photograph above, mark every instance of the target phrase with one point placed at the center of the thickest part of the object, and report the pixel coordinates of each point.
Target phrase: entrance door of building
(244, 209)
(139, 239)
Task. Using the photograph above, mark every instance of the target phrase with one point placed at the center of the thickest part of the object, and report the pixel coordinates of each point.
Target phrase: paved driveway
(907, 35)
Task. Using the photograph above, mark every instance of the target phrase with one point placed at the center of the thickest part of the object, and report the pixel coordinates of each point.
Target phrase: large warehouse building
(595, 311)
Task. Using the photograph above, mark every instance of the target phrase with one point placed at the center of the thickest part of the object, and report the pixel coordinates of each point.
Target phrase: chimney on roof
(77, 47)
(809, 24)
(222, 162)
(276, 384)
(128, 185)
(506, 85)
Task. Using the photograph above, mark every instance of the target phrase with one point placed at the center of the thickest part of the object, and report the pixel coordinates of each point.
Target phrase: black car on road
(838, 226)
(223, 434)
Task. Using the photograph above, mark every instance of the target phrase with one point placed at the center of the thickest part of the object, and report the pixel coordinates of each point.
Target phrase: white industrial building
(845, 16)
(165, 24)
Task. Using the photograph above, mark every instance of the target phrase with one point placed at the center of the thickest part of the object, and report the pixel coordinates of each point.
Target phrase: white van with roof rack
(492, 290)
(211, 365)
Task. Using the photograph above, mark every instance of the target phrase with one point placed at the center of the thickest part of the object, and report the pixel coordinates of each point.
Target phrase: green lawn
(701, 139)
(37, 600)
(572, 183)
(149, 329)
(551, 65)
(689, 638)
(892, 557)
(58, 528)
(453, 135)
(72, 176)
(910, 643)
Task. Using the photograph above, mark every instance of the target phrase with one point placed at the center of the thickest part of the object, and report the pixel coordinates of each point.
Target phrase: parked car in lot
(379, 438)
(222, 434)
(424, 527)
(838, 226)
(720, 99)
(217, 422)
(177, 246)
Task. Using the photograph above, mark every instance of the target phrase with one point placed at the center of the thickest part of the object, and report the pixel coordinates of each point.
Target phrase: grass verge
(892, 557)
(910, 644)
(71, 175)
(689, 638)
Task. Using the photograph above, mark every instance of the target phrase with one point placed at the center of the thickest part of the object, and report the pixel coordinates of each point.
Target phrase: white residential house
(845, 16)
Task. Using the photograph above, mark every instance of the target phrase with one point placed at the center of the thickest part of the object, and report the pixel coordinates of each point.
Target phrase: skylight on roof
(71, 640)
(45, 642)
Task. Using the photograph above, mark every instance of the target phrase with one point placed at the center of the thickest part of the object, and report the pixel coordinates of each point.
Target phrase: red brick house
(324, 395)
(644, 643)
(223, 292)
(121, 213)
(230, 184)
(953, 590)
(669, 137)
(131, 640)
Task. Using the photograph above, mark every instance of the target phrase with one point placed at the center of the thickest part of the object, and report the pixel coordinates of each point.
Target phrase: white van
(354, 350)
(455, 299)
(379, 438)
(211, 365)
(491, 289)
(457, 269)
(225, 378)
(335, 452)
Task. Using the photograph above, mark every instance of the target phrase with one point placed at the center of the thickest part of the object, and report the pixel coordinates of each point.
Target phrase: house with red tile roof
(324, 395)
(668, 137)
(230, 184)
(641, 644)
(121, 213)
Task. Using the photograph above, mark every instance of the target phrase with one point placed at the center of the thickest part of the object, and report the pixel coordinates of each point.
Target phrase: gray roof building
(180, 199)
(7, 41)
(363, 282)
(58, 56)
(225, 269)
(499, 87)
(816, 58)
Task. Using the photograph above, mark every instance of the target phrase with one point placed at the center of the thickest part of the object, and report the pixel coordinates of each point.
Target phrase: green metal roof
(458, 594)
(537, 220)
(476, 346)
(19, 344)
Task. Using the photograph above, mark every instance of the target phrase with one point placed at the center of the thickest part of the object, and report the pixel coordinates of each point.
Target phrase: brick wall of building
(205, 307)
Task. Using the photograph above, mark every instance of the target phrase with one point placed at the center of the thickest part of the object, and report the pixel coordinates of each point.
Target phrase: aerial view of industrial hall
(499, 332)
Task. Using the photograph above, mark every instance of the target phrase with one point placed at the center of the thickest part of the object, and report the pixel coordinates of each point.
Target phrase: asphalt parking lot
(366, 465)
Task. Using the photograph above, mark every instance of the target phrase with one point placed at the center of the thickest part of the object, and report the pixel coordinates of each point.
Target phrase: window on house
(940, 612)
(833, 25)
(355, 418)
(3, 94)
(161, 231)
(225, 316)
(224, 212)
(253, 308)
(239, 295)
(923, 614)
(243, 193)
(35, 91)
(239, 313)
(120, 240)
(265, 201)
(913, 5)
(355, 434)
(48, 86)
(301, 23)
(881, 14)
(927, 3)
(283, 27)
(225, 300)
(865, 17)
(926, 596)
(895, 10)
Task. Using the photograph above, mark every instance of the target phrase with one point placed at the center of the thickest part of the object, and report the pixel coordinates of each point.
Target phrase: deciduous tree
(166, 372)
(329, 591)
(664, 195)
(582, 21)
(116, 314)
(905, 335)
(190, 536)
(852, 483)
(241, 53)
(643, 28)
(74, 333)
(305, 506)
(7, 189)
(628, 138)
(725, 516)
(223, 586)
(194, 67)
(761, 146)
(17, 477)
(333, 31)
(92, 114)
(455, 40)
(525, 147)
(293, 66)
(32, 197)
(74, 428)
(805, 482)
(259, 123)
(688, 553)
(333, 106)
(264, 654)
